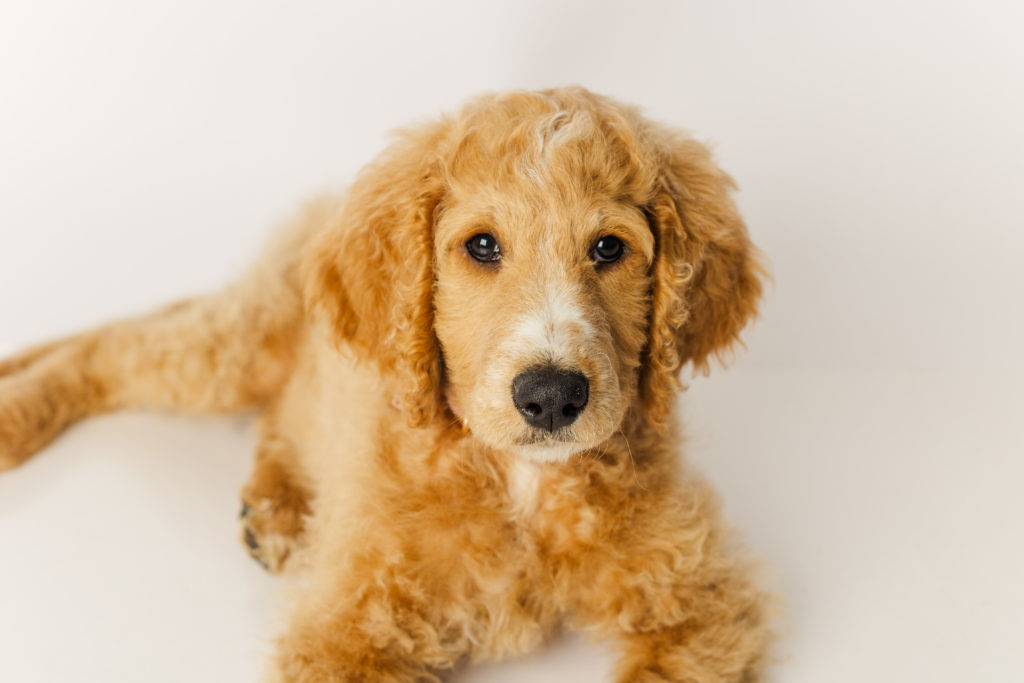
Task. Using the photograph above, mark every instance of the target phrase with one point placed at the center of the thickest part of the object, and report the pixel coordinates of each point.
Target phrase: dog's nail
(250, 539)
(245, 510)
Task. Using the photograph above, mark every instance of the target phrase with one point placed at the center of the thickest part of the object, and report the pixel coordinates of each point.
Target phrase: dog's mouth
(541, 439)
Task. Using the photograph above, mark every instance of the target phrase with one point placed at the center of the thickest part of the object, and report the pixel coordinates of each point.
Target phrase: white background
(868, 444)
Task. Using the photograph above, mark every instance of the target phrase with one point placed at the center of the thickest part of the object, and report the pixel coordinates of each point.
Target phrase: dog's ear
(371, 270)
(707, 275)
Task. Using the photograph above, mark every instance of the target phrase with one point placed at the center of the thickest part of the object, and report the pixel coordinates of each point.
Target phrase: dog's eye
(484, 247)
(608, 249)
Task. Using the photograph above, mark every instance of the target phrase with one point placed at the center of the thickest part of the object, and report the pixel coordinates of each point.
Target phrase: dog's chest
(524, 480)
(552, 506)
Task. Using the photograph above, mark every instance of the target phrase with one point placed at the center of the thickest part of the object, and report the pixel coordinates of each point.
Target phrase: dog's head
(542, 265)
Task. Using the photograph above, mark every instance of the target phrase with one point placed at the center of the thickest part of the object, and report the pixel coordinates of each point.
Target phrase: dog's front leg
(698, 629)
(724, 648)
(679, 606)
(377, 624)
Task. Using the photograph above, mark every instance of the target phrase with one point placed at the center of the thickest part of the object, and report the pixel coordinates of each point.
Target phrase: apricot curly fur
(430, 522)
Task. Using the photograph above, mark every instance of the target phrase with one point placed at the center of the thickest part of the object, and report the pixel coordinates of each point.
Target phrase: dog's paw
(272, 518)
(265, 543)
(42, 391)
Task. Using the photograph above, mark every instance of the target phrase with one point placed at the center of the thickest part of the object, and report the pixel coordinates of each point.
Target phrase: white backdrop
(868, 443)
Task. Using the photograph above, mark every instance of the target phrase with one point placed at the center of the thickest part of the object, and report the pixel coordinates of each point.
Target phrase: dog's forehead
(529, 214)
(562, 150)
(546, 180)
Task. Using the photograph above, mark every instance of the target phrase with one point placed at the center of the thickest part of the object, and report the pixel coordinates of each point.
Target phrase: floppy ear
(371, 270)
(707, 278)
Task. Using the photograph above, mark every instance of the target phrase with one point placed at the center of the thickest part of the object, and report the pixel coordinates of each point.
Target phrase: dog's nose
(549, 397)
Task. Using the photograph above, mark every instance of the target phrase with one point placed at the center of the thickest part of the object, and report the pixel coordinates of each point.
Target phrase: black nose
(549, 397)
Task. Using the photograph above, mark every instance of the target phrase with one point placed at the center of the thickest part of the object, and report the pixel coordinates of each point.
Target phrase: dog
(465, 370)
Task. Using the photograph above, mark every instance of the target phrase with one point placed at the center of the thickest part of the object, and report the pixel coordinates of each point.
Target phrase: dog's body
(556, 243)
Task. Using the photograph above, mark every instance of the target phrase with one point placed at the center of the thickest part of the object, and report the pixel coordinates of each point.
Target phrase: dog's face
(541, 265)
(543, 292)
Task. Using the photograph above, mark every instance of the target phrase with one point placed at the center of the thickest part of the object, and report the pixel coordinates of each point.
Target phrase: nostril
(578, 397)
(532, 409)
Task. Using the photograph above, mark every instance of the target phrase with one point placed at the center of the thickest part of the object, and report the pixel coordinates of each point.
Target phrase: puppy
(465, 370)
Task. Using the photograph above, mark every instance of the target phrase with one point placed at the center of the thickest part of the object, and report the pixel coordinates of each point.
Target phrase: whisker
(632, 460)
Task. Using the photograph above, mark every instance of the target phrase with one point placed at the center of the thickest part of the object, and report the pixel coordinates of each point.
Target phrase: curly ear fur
(707, 277)
(371, 270)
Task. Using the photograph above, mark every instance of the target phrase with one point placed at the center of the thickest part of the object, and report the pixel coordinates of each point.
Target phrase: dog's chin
(547, 451)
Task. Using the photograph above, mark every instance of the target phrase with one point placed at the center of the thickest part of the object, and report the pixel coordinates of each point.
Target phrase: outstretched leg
(217, 354)
(227, 352)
